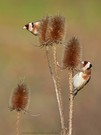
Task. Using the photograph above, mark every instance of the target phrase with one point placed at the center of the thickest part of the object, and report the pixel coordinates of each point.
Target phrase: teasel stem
(70, 102)
(58, 93)
(51, 33)
(17, 122)
(71, 60)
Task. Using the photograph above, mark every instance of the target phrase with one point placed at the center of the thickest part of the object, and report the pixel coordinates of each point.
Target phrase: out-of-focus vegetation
(20, 59)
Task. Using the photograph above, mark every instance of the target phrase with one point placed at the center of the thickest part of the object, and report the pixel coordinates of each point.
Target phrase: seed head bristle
(56, 29)
(72, 54)
(19, 98)
(43, 30)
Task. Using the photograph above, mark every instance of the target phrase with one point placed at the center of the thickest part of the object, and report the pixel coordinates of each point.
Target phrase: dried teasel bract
(19, 98)
(43, 30)
(72, 54)
(56, 29)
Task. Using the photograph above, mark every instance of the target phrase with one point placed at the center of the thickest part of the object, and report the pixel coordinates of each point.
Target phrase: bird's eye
(32, 24)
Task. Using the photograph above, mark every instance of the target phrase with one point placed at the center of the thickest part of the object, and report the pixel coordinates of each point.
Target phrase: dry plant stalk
(17, 123)
(70, 128)
(19, 102)
(58, 93)
(71, 60)
(57, 90)
(52, 31)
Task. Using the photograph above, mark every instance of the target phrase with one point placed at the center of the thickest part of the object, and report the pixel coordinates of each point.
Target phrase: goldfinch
(82, 77)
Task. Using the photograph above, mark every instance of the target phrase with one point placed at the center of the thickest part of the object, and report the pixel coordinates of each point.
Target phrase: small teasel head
(72, 54)
(19, 98)
(56, 29)
(43, 30)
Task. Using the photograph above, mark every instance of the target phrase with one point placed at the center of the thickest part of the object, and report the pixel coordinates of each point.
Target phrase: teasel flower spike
(56, 29)
(51, 33)
(43, 30)
(72, 54)
(19, 102)
(71, 60)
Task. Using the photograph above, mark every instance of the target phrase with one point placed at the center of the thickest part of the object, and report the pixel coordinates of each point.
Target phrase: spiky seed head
(19, 98)
(43, 30)
(56, 29)
(72, 54)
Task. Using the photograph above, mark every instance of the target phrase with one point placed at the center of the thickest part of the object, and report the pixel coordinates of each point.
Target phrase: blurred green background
(20, 59)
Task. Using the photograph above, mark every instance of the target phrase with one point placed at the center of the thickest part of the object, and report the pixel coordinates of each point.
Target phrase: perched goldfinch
(82, 78)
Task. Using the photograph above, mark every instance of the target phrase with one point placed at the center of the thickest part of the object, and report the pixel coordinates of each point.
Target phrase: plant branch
(56, 85)
(17, 122)
(70, 102)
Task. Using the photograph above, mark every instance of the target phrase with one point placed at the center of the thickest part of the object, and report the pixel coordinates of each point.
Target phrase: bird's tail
(75, 92)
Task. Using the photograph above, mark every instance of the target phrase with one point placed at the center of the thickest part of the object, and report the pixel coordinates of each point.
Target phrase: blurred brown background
(20, 59)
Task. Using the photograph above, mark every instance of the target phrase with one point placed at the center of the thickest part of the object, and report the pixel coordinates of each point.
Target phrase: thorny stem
(70, 102)
(17, 123)
(57, 90)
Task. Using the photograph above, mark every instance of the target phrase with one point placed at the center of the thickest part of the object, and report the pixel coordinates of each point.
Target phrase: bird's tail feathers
(75, 92)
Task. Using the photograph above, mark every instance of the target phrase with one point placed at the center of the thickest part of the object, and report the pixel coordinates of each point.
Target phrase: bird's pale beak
(24, 27)
(82, 62)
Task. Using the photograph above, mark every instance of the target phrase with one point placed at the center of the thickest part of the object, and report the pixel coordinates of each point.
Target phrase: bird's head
(29, 26)
(86, 65)
(33, 27)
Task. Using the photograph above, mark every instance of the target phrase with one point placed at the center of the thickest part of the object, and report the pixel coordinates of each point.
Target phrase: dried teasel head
(56, 29)
(72, 54)
(43, 30)
(19, 98)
